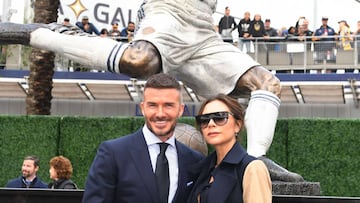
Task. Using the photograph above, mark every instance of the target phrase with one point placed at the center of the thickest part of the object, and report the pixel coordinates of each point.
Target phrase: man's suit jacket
(122, 172)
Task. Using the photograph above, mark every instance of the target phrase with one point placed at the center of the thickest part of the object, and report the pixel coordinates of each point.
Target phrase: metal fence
(291, 55)
(278, 54)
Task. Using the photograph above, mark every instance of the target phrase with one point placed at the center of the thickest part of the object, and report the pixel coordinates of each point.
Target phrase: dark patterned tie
(162, 173)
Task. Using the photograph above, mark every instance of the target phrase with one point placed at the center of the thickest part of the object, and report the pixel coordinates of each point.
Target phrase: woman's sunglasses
(220, 118)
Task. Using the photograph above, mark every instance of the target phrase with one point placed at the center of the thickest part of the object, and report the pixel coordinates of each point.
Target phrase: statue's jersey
(184, 33)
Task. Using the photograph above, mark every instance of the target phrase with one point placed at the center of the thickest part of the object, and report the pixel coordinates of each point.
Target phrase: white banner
(101, 13)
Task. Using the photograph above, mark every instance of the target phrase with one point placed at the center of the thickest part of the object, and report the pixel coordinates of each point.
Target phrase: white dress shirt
(171, 155)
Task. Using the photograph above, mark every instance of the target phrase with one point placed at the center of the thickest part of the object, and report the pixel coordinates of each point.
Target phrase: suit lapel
(185, 180)
(182, 170)
(140, 156)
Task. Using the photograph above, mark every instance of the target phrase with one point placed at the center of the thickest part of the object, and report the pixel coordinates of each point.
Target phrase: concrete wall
(128, 108)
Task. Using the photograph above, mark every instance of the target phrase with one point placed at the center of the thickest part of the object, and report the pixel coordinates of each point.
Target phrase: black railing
(75, 196)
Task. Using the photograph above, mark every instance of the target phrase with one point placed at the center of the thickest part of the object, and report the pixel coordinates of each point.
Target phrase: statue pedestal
(296, 188)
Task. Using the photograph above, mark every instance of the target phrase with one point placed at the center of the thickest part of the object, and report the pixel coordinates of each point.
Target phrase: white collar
(152, 139)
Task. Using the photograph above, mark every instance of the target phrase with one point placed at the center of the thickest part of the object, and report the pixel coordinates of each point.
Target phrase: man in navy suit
(124, 168)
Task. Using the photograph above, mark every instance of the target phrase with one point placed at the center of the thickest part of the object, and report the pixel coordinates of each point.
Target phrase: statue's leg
(91, 51)
(261, 116)
(262, 111)
(139, 59)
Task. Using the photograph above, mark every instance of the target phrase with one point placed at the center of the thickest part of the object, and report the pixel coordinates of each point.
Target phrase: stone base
(296, 188)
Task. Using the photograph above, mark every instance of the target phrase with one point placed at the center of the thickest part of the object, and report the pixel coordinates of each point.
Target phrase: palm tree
(38, 101)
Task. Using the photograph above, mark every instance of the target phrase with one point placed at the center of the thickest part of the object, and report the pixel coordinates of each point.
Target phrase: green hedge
(321, 150)
(27, 135)
(326, 150)
(80, 138)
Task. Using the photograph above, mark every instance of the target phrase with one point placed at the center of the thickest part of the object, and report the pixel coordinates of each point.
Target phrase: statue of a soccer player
(176, 37)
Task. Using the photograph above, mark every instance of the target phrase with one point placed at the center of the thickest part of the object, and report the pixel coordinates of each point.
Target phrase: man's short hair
(162, 81)
(34, 158)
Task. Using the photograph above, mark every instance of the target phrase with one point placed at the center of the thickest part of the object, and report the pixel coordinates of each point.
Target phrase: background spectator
(29, 178)
(67, 23)
(87, 27)
(127, 33)
(115, 32)
(104, 32)
(304, 34)
(257, 30)
(269, 35)
(243, 29)
(326, 36)
(290, 33)
(227, 24)
(345, 35)
(357, 40)
(60, 172)
(299, 22)
(2, 56)
(305, 27)
(345, 39)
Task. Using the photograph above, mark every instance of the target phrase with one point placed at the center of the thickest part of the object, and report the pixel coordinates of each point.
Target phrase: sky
(1, 9)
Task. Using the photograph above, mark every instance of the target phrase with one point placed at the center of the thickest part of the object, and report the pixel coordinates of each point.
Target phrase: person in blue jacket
(86, 26)
(29, 178)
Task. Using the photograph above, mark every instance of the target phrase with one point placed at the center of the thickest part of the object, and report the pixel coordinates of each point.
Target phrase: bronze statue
(179, 40)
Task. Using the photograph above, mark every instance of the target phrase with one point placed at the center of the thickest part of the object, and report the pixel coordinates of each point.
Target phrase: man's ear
(142, 108)
(181, 110)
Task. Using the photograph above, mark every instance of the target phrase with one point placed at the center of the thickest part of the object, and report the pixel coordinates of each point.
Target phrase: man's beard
(163, 134)
(26, 174)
